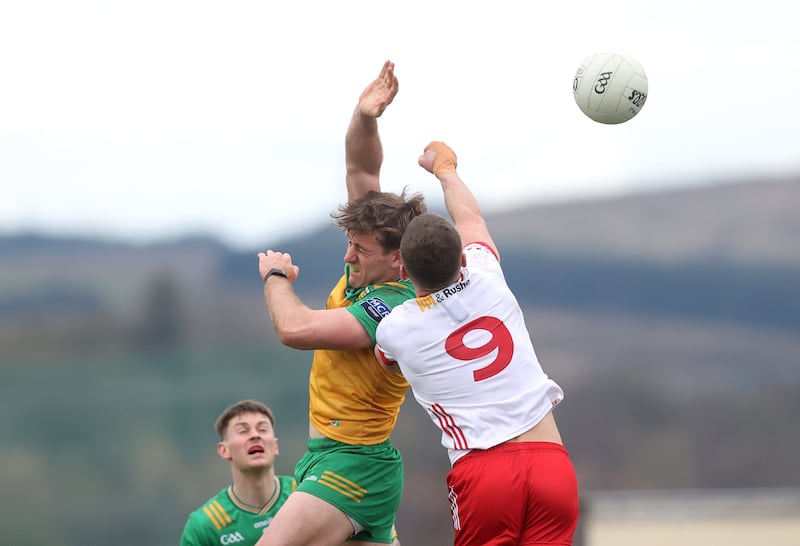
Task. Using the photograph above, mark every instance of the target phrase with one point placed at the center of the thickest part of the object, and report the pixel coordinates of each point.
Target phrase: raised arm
(296, 324)
(440, 160)
(363, 149)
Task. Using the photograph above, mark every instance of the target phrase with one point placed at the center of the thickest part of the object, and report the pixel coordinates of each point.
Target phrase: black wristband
(275, 271)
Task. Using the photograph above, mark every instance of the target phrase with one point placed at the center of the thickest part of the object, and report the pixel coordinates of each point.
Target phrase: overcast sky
(151, 119)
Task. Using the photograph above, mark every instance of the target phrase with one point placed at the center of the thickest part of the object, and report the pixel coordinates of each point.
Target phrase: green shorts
(364, 482)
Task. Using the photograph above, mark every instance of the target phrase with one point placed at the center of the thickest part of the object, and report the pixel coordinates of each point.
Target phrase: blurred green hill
(671, 319)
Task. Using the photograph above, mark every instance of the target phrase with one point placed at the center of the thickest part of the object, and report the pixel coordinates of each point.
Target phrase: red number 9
(500, 340)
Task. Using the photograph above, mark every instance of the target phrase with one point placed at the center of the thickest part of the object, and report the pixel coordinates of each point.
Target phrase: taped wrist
(445, 160)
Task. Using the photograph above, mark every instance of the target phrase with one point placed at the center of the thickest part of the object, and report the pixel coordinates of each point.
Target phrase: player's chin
(258, 461)
(356, 280)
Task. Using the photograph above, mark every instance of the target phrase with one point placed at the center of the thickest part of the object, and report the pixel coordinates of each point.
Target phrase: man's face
(250, 442)
(369, 264)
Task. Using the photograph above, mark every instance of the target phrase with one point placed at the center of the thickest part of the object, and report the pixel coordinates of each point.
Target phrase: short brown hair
(240, 408)
(431, 251)
(383, 213)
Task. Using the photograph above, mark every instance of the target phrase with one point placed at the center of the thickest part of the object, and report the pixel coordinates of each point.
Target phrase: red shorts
(515, 493)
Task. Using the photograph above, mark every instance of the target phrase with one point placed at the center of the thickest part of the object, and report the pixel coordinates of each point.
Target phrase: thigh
(305, 520)
(363, 482)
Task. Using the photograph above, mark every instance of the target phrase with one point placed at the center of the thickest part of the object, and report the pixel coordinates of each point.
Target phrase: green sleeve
(193, 534)
(378, 303)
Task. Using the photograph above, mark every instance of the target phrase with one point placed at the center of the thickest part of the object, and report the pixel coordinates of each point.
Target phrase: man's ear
(223, 451)
(463, 260)
(403, 273)
(397, 261)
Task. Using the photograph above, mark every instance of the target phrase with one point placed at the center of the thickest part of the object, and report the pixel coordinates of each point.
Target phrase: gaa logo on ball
(610, 87)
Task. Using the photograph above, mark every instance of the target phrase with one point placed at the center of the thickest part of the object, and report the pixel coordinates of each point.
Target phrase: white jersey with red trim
(468, 356)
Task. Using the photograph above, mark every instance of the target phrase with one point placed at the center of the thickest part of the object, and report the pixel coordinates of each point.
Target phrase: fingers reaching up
(380, 93)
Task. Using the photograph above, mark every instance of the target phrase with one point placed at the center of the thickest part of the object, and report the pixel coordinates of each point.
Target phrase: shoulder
(288, 484)
(377, 300)
(405, 313)
(398, 291)
(481, 258)
(198, 527)
(482, 252)
(210, 511)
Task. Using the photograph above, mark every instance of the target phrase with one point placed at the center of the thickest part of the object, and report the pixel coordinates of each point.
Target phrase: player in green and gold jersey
(350, 480)
(239, 513)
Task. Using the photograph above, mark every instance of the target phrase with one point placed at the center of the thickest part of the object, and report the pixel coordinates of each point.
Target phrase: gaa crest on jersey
(231, 538)
(376, 308)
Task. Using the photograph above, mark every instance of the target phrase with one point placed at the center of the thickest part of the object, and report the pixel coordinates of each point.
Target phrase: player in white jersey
(463, 346)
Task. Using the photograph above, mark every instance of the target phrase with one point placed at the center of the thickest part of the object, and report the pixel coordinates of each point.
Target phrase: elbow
(292, 324)
(293, 336)
(288, 336)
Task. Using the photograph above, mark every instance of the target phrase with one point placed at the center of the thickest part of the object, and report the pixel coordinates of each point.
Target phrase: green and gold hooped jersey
(223, 520)
(355, 400)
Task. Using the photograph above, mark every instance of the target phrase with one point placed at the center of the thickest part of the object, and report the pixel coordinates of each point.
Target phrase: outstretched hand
(438, 158)
(380, 93)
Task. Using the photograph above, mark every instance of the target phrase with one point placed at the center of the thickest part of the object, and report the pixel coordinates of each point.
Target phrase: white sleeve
(480, 256)
(380, 339)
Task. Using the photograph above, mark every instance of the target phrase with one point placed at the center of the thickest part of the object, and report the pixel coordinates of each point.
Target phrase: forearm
(439, 159)
(363, 155)
(288, 313)
(459, 199)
